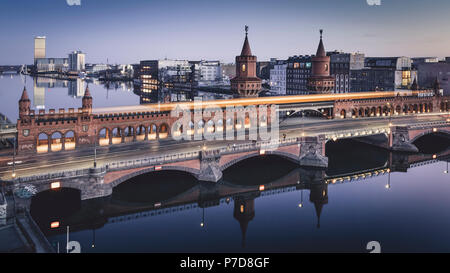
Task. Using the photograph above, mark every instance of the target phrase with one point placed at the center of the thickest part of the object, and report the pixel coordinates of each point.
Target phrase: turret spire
(246, 51)
(321, 48)
(87, 99)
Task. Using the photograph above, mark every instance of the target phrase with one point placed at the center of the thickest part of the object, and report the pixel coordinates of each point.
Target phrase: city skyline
(124, 32)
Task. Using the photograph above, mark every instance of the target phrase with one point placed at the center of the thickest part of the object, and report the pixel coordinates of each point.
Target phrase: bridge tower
(87, 100)
(320, 80)
(318, 195)
(246, 83)
(24, 104)
(437, 88)
(244, 212)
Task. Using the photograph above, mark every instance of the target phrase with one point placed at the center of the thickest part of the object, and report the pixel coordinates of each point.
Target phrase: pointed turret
(246, 51)
(244, 212)
(321, 49)
(320, 80)
(24, 104)
(318, 206)
(437, 87)
(415, 86)
(246, 83)
(87, 99)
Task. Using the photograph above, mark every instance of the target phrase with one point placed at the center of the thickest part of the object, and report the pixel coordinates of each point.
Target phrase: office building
(297, 74)
(340, 65)
(39, 48)
(383, 74)
(278, 78)
(77, 61)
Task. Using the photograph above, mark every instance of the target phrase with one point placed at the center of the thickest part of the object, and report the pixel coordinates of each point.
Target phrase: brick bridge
(242, 196)
(52, 132)
(208, 165)
(60, 130)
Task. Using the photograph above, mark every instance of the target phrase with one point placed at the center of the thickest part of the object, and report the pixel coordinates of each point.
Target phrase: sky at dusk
(128, 31)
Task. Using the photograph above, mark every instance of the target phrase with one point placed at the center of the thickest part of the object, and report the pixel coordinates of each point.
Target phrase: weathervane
(246, 30)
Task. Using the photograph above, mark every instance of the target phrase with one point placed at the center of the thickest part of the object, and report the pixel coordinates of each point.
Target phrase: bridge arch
(116, 134)
(163, 131)
(70, 142)
(140, 132)
(128, 133)
(103, 136)
(283, 155)
(42, 143)
(56, 142)
(437, 131)
(152, 131)
(132, 174)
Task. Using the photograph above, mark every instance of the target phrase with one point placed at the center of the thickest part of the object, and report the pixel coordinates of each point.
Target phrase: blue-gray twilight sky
(126, 31)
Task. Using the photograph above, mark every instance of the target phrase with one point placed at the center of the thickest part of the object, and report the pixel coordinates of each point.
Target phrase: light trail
(254, 101)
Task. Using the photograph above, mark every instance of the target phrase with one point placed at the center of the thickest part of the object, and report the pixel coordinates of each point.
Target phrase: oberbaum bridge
(88, 129)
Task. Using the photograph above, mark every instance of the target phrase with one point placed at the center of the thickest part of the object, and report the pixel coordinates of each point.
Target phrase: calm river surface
(398, 200)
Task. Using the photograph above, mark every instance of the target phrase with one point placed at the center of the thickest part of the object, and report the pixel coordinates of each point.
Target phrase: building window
(26, 132)
(243, 68)
(85, 128)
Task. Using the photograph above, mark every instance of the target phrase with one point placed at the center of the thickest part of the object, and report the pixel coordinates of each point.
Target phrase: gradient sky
(127, 31)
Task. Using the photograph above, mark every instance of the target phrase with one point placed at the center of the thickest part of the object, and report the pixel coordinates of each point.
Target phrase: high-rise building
(320, 80)
(77, 61)
(246, 83)
(39, 47)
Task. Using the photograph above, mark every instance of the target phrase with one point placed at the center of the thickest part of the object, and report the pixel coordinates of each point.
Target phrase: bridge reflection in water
(154, 197)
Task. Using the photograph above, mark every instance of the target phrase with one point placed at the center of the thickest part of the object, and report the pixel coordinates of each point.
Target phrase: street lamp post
(14, 159)
(388, 185)
(95, 149)
(301, 200)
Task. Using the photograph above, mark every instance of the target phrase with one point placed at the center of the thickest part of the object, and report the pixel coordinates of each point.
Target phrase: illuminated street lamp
(388, 185)
(93, 238)
(301, 199)
(446, 171)
(202, 223)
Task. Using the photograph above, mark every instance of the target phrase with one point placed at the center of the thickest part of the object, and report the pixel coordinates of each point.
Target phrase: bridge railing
(55, 175)
(430, 124)
(156, 160)
(358, 132)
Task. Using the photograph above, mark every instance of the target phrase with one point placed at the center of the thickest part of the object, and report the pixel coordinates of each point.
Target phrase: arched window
(42, 143)
(56, 142)
(69, 141)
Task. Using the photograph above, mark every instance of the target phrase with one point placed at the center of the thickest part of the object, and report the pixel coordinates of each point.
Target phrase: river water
(263, 204)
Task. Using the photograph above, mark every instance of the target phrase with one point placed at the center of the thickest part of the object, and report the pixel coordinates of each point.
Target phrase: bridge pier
(399, 140)
(209, 166)
(93, 186)
(312, 152)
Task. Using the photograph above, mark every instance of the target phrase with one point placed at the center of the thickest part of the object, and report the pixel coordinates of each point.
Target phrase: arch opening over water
(258, 170)
(153, 187)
